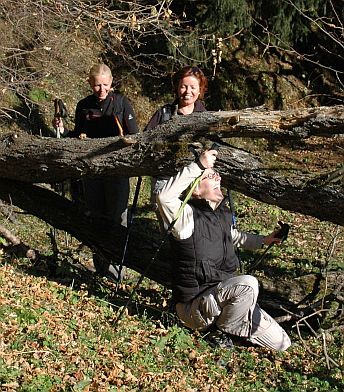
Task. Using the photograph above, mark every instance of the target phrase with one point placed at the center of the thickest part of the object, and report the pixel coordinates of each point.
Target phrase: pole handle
(283, 232)
(215, 146)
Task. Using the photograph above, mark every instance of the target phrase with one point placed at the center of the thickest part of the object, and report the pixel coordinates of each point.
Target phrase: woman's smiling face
(101, 85)
(188, 90)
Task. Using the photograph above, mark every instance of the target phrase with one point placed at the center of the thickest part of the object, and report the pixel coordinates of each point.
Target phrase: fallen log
(45, 160)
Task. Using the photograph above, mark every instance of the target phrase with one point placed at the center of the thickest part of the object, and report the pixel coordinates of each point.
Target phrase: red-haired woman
(190, 85)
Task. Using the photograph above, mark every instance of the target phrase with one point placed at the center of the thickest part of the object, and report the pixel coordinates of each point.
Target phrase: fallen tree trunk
(45, 160)
(96, 232)
(36, 159)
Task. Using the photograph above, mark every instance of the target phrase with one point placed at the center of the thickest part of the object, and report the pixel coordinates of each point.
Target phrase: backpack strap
(118, 108)
(119, 125)
(166, 113)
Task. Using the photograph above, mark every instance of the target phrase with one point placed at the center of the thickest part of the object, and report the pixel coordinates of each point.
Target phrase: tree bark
(34, 159)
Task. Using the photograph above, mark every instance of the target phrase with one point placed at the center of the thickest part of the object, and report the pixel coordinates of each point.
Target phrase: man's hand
(277, 236)
(272, 239)
(207, 158)
(58, 123)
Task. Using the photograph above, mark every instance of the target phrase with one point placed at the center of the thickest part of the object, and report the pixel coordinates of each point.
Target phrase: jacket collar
(204, 205)
(199, 107)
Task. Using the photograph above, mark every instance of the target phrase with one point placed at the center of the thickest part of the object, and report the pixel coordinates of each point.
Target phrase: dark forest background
(277, 53)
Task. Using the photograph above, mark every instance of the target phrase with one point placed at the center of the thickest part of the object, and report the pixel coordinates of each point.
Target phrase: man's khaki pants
(232, 307)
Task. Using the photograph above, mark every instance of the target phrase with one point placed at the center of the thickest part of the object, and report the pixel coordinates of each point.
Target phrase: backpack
(168, 111)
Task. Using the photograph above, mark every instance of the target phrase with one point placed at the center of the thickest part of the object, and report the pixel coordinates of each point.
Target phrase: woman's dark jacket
(167, 111)
(97, 118)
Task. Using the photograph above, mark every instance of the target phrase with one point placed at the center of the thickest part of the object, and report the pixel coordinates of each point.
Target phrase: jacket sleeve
(79, 123)
(246, 240)
(129, 119)
(162, 115)
(169, 202)
(154, 121)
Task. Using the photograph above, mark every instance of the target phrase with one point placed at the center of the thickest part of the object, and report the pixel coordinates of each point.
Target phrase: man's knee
(250, 280)
(238, 286)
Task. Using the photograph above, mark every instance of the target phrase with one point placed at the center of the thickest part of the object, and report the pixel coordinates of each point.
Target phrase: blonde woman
(104, 113)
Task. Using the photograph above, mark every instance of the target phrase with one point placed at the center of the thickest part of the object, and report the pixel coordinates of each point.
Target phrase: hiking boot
(115, 272)
(219, 339)
(110, 271)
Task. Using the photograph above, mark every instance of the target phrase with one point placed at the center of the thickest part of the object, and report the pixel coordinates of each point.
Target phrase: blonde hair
(99, 69)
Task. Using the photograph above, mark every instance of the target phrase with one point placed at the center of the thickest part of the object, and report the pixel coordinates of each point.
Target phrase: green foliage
(284, 19)
(191, 46)
(8, 374)
(223, 16)
(81, 385)
(41, 383)
(275, 22)
(38, 95)
(26, 316)
(176, 339)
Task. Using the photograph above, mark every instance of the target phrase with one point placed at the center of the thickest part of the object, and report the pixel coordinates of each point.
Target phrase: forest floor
(59, 332)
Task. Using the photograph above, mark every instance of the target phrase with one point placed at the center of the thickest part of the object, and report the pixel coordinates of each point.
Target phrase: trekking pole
(130, 224)
(121, 134)
(234, 224)
(168, 232)
(60, 112)
(282, 234)
(216, 147)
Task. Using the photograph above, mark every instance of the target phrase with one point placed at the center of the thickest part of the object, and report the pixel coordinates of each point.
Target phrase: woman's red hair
(191, 71)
